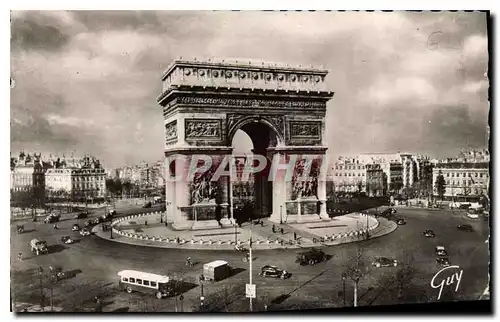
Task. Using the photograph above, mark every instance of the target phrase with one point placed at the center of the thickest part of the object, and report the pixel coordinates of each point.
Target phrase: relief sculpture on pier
(203, 129)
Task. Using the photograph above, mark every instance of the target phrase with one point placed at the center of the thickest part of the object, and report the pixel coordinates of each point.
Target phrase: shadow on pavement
(56, 248)
(280, 299)
(28, 231)
(185, 287)
(72, 273)
(121, 309)
(235, 271)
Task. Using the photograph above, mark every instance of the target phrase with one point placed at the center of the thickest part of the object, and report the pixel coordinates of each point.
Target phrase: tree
(356, 270)
(440, 185)
(127, 187)
(360, 186)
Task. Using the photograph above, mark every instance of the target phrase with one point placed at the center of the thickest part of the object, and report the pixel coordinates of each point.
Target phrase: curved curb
(267, 244)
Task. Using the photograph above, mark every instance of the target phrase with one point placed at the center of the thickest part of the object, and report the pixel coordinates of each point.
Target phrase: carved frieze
(204, 129)
(305, 129)
(248, 102)
(171, 132)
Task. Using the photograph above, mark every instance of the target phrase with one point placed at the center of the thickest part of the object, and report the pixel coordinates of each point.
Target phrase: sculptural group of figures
(304, 188)
(203, 189)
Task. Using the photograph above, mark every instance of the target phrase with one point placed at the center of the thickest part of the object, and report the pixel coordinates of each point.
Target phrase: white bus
(158, 285)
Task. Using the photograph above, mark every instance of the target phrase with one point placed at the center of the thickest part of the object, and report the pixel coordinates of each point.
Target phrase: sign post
(250, 291)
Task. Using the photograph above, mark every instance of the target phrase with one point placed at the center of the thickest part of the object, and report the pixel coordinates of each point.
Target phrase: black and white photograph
(202, 161)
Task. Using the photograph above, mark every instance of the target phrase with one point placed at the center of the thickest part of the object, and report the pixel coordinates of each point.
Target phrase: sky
(87, 81)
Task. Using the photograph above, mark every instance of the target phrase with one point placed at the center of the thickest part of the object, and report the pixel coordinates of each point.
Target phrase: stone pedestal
(205, 224)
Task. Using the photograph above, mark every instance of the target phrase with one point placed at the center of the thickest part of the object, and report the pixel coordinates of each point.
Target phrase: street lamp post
(343, 286)
(40, 274)
(202, 297)
(367, 234)
(281, 214)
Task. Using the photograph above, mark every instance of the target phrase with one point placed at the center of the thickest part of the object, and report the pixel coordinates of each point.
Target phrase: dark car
(467, 228)
(75, 227)
(400, 221)
(108, 216)
(147, 205)
(273, 271)
(52, 218)
(82, 215)
(311, 257)
(384, 262)
(464, 206)
(429, 233)
(441, 251)
(66, 240)
(443, 261)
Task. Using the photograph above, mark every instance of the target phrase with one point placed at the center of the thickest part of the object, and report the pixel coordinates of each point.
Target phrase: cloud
(88, 80)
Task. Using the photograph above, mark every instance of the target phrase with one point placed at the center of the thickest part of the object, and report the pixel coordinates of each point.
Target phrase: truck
(39, 246)
(216, 270)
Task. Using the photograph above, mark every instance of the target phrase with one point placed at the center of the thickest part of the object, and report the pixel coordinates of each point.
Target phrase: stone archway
(282, 109)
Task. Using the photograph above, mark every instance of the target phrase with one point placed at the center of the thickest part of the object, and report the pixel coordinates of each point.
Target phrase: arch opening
(253, 137)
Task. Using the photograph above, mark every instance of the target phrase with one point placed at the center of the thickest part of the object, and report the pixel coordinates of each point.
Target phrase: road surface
(97, 261)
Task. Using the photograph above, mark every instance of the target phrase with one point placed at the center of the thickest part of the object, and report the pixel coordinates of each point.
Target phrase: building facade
(376, 181)
(466, 176)
(76, 179)
(348, 175)
(27, 180)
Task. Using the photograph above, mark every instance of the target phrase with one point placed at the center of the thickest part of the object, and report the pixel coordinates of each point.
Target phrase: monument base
(226, 223)
(205, 224)
(182, 225)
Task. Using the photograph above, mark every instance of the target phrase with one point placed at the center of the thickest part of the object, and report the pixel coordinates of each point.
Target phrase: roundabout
(149, 230)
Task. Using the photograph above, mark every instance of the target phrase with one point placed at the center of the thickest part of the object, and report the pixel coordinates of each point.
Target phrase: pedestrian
(274, 228)
(145, 222)
(20, 256)
(282, 231)
(294, 235)
(262, 222)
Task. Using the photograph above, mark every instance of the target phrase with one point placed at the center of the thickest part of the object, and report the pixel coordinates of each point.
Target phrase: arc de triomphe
(282, 109)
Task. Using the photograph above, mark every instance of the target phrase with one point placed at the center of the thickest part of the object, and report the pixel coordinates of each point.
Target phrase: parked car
(52, 218)
(384, 262)
(464, 206)
(400, 221)
(443, 261)
(472, 215)
(311, 257)
(273, 271)
(147, 205)
(82, 215)
(67, 240)
(467, 228)
(429, 233)
(75, 227)
(84, 232)
(441, 251)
